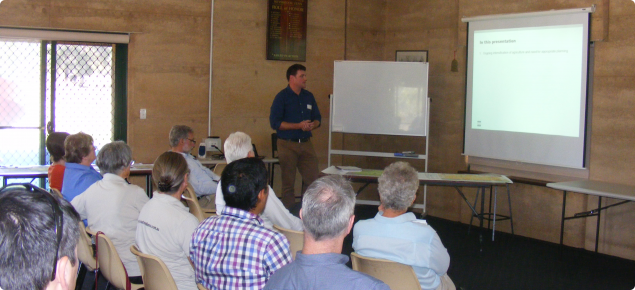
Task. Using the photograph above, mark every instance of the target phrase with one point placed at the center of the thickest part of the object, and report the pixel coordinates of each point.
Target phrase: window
(48, 86)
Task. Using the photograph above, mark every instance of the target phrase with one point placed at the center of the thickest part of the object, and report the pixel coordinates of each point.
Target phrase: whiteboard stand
(383, 154)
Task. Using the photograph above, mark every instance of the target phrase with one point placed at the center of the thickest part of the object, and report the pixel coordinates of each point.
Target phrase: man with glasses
(39, 234)
(203, 180)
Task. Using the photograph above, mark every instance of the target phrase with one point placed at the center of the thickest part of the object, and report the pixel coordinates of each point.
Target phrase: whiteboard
(377, 97)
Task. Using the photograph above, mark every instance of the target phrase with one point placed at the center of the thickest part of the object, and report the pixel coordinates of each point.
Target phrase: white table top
(209, 161)
(432, 177)
(598, 188)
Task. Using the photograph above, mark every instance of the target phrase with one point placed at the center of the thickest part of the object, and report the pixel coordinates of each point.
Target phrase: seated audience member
(79, 174)
(327, 214)
(39, 233)
(203, 180)
(112, 205)
(234, 250)
(238, 146)
(55, 146)
(397, 235)
(165, 225)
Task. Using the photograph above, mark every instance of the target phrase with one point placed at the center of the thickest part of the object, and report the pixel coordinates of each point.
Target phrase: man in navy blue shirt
(294, 114)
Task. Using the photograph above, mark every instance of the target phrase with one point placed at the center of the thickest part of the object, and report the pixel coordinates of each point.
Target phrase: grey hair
(327, 206)
(237, 146)
(179, 132)
(114, 157)
(398, 185)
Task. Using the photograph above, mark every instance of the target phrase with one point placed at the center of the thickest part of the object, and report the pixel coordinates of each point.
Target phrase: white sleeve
(201, 178)
(187, 228)
(439, 257)
(280, 215)
(79, 203)
(220, 200)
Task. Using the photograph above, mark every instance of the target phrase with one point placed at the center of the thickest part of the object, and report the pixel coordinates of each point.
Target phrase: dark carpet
(516, 262)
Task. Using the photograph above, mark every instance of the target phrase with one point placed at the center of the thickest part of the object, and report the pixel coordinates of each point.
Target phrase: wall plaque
(286, 30)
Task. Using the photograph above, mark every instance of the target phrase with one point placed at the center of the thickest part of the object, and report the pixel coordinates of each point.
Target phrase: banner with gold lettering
(286, 30)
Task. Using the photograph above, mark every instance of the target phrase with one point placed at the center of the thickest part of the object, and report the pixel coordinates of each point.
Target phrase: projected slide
(528, 80)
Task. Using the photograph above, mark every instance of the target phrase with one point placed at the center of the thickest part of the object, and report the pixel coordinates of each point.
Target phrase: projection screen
(526, 90)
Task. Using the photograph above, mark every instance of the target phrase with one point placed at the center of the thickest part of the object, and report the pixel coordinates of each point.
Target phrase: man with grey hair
(327, 215)
(112, 205)
(238, 146)
(203, 180)
(395, 234)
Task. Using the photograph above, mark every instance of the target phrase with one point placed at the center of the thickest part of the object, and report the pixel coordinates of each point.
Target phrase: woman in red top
(55, 146)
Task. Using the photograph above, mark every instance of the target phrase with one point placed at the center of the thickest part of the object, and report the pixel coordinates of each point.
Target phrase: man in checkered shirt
(234, 250)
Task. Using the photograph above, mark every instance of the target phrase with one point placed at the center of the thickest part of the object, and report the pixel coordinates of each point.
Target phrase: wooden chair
(200, 287)
(110, 264)
(56, 192)
(85, 255)
(218, 169)
(296, 239)
(195, 208)
(156, 275)
(398, 276)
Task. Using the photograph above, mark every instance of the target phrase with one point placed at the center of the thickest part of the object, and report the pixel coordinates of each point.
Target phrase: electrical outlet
(142, 114)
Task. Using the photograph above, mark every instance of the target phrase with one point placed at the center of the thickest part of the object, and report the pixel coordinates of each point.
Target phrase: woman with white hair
(397, 235)
(238, 146)
(112, 205)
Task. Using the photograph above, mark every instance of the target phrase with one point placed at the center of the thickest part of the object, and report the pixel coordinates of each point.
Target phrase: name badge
(308, 106)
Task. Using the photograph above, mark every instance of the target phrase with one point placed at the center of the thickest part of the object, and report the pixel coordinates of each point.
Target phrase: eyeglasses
(131, 163)
(58, 215)
(192, 140)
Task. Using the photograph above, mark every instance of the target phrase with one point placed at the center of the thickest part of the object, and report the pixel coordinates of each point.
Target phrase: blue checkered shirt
(234, 251)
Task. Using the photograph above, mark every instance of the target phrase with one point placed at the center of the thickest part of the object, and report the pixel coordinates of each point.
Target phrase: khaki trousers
(294, 155)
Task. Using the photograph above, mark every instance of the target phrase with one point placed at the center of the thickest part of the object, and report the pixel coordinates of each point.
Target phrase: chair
(296, 239)
(200, 287)
(218, 169)
(398, 276)
(85, 255)
(274, 154)
(110, 264)
(195, 208)
(56, 192)
(156, 275)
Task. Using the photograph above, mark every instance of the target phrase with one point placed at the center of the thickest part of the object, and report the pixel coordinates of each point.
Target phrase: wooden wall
(169, 74)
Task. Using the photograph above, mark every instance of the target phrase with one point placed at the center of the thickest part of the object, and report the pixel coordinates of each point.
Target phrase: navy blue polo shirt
(292, 108)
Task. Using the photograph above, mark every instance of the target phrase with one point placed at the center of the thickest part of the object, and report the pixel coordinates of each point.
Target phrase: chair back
(274, 145)
(56, 192)
(110, 264)
(200, 287)
(192, 203)
(218, 169)
(295, 238)
(156, 275)
(85, 252)
(396, 275)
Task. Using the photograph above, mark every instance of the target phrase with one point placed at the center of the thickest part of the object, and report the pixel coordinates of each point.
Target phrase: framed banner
(286, 30)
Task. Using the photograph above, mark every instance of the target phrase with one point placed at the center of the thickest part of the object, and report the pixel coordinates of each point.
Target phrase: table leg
(494, 220)
(511, 216)
(564, 205)
(597, 230)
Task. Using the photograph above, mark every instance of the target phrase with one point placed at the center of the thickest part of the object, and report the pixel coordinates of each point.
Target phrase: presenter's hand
(306, 125)
(315, 125)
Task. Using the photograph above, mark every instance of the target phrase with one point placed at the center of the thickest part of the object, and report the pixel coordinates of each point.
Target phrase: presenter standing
(294, 114)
